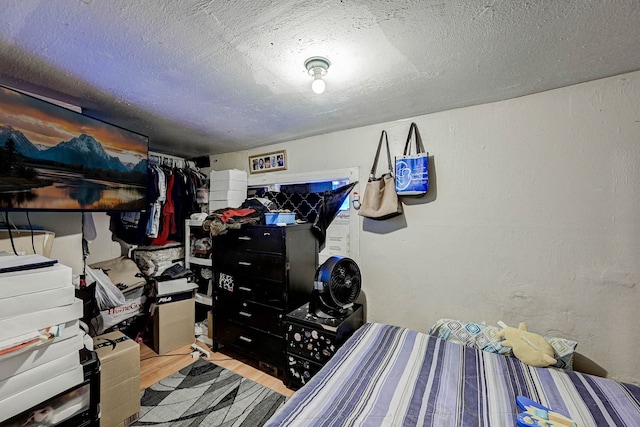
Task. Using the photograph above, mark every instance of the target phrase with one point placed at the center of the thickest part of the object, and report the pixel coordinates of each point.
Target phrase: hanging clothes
(156, 196)
(178, 202)
(171, 195)
(168, 216)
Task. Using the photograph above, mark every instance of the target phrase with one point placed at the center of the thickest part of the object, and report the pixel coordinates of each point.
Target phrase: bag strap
(419, 146)
(372, 174)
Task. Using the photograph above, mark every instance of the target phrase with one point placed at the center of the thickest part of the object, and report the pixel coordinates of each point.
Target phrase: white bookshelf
(193, 229)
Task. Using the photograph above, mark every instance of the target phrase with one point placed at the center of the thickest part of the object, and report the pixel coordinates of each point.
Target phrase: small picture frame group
(268, 162)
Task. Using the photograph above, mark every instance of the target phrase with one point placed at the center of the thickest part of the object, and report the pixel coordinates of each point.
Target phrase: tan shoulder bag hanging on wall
(380, 200)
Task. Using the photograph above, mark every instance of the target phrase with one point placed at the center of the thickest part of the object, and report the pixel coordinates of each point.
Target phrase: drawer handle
(245, 314)
(244, 238)
(266, 233)
(245, 339)
(245, 289)
(244, 263)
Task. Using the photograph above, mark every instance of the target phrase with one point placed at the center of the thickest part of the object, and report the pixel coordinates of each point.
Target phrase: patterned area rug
(204, 394)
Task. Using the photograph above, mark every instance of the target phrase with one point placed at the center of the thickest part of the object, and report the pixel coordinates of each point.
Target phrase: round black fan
(336, 287)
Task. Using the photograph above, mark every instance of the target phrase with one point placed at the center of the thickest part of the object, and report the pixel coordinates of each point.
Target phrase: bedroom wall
(533, 215)
(67, 245)
(67, 226)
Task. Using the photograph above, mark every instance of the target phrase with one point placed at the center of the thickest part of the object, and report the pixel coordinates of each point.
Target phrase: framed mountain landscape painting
(53, 158)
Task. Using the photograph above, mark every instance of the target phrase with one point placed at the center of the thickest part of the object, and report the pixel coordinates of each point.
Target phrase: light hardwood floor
(154, 367)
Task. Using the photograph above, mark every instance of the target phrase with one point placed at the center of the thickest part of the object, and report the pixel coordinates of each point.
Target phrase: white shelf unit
(194, 233)
(199, 261)
(204, 299)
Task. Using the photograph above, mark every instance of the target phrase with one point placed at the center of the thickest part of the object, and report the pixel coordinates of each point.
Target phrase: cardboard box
(122, 400)
(34, 376)
(37, 280)
(174, 286)
(14, 365)
(228, 185)
(173, 325)
(14, 306)
(228, 175)
(69, 408)
(44, 390)
(214, 205)
(119, 358)
(166, 299)
(11, 327)
(228, 195)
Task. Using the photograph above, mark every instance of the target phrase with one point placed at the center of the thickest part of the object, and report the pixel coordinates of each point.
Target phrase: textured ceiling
(207, 77)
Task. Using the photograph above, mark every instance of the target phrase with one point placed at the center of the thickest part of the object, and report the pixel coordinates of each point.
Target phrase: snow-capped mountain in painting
(21, 142)
(81, 150)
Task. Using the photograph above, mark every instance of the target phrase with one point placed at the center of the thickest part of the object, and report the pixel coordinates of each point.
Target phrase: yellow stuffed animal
(530, 348)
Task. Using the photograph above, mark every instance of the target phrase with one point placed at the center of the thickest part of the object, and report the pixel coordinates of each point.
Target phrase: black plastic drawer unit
(260, 274)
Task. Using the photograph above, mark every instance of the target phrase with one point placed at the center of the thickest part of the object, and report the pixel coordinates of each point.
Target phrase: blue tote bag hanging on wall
(412, 170)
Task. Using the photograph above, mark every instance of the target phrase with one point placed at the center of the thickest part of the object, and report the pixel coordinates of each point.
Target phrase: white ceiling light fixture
(317, 66)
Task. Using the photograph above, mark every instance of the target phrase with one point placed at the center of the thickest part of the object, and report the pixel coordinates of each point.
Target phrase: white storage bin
(228, 175)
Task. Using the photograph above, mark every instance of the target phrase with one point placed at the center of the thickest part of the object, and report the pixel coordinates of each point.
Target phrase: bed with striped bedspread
(391, 376)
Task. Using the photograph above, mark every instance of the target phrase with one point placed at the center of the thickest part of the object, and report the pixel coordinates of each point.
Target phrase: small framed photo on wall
(268, 162)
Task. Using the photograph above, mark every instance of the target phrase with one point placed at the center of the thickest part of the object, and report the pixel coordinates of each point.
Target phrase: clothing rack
(173, 183)
(171, 161)
(166, 160)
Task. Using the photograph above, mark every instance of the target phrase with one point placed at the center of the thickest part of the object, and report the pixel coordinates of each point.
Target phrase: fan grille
(336, 288)
(344, 283)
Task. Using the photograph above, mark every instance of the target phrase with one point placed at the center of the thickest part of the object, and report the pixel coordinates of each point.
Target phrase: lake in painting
(52, 158)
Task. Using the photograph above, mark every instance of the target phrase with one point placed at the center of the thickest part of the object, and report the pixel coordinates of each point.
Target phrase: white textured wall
(67, 245)
(533, 215)
(67, 226)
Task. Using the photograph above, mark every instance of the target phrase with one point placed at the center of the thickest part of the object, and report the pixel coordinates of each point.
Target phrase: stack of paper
(39, 332)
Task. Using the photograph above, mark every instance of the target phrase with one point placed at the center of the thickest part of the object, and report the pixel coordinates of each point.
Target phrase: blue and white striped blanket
(390, 376)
